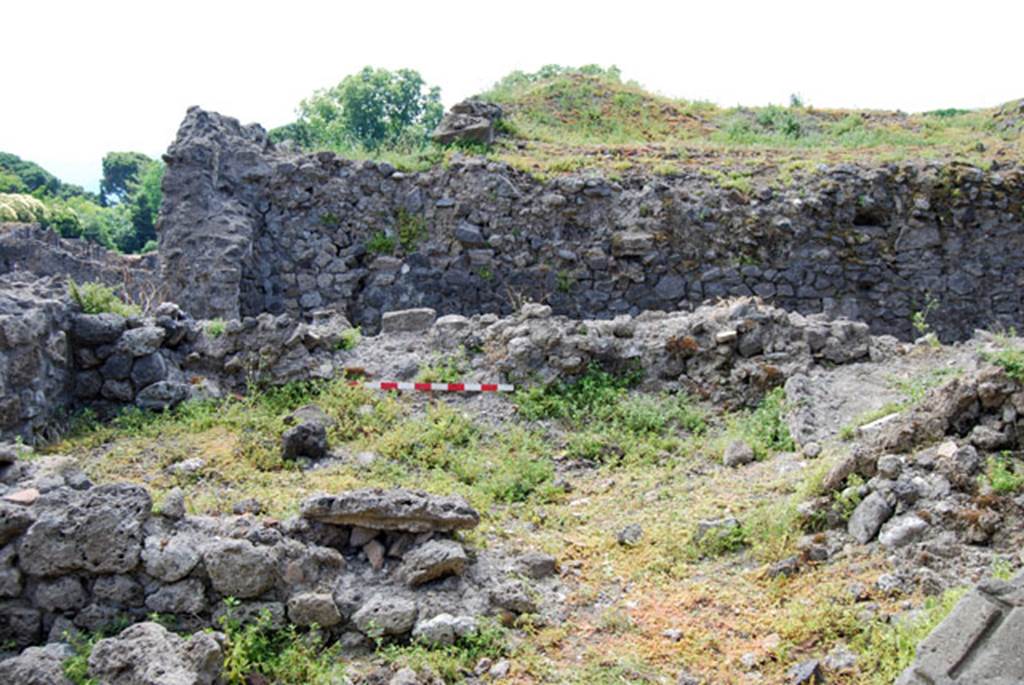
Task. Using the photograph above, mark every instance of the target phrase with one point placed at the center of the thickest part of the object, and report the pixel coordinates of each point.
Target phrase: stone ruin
(247, 227)
(274, 257)
(359, 565)
(59, 360)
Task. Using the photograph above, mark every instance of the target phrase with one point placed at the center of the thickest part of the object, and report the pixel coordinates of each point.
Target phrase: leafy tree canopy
(18, 175)
(131, 186)
(374, 108)
(121, 172)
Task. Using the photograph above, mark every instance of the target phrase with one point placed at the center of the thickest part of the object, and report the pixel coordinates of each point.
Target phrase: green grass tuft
(98, 298)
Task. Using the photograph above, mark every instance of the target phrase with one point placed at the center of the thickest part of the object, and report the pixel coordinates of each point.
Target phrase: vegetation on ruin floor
(627, 457)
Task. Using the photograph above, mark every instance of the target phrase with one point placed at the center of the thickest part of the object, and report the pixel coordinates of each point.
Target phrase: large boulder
(979, 642)
(149, 654)
(470, 121)
(98, 532)
(398, 510)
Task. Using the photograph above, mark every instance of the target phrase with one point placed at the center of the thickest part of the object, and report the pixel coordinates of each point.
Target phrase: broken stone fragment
(444, 629)
(433, 560)
(537, 565)
(308, 435)
(383, 615)
(738, 453)
(470, 121)
(868, 517)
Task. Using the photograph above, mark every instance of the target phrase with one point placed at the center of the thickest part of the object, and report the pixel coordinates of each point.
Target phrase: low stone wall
(33, 249)
(247, 228)
(730, 353)
(360, 565)
(54, 361)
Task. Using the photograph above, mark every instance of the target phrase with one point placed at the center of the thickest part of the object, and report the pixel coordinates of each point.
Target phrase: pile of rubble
(918, 481)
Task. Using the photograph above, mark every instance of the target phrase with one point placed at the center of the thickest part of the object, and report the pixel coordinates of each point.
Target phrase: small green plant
(330, 220)
(765, 428)
(846, 500)
(919, 320)
(887, 647)
(94, 297)
(280, 655)
(412, 228)
(485, 273)
(719, 541)
(565, 280)
(76, 668)
(1004, 474)
(215, 328)
(578, 399)
(450, 662)
(350, 338)
(1002, 569)
(448, 368)
(1011, 360)
(380, 243)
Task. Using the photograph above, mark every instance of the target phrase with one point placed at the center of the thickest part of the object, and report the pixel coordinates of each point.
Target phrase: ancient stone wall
(361, 564)
(247, 228)
(35, 361)
(39, 251)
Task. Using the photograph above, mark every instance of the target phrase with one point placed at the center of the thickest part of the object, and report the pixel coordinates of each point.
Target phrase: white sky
(82, 78)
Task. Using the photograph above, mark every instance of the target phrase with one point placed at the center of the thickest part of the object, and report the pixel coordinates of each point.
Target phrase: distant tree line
(121, 217)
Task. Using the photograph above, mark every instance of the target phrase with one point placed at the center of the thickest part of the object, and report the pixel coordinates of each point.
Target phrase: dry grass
(620, 599)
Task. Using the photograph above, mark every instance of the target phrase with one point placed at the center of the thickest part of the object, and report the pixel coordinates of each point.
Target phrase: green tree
(144, 206)
(372, 108)
(19, 175)
(10, 183)
(121, 172)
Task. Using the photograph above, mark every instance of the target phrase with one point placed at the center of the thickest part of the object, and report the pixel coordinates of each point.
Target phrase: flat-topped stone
(398, 509)
(408, 320)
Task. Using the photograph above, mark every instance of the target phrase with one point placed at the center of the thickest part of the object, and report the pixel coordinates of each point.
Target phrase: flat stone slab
(398, 509)
(979, 642)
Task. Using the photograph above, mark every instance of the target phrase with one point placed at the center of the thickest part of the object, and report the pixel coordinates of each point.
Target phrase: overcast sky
(81, 78)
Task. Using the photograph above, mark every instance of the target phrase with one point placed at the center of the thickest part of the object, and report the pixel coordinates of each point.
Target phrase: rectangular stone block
(950, 642)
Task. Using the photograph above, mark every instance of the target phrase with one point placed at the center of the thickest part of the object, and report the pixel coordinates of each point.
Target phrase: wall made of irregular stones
(361, 565)
(32, 249)
(35, 368)
(248, 228)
